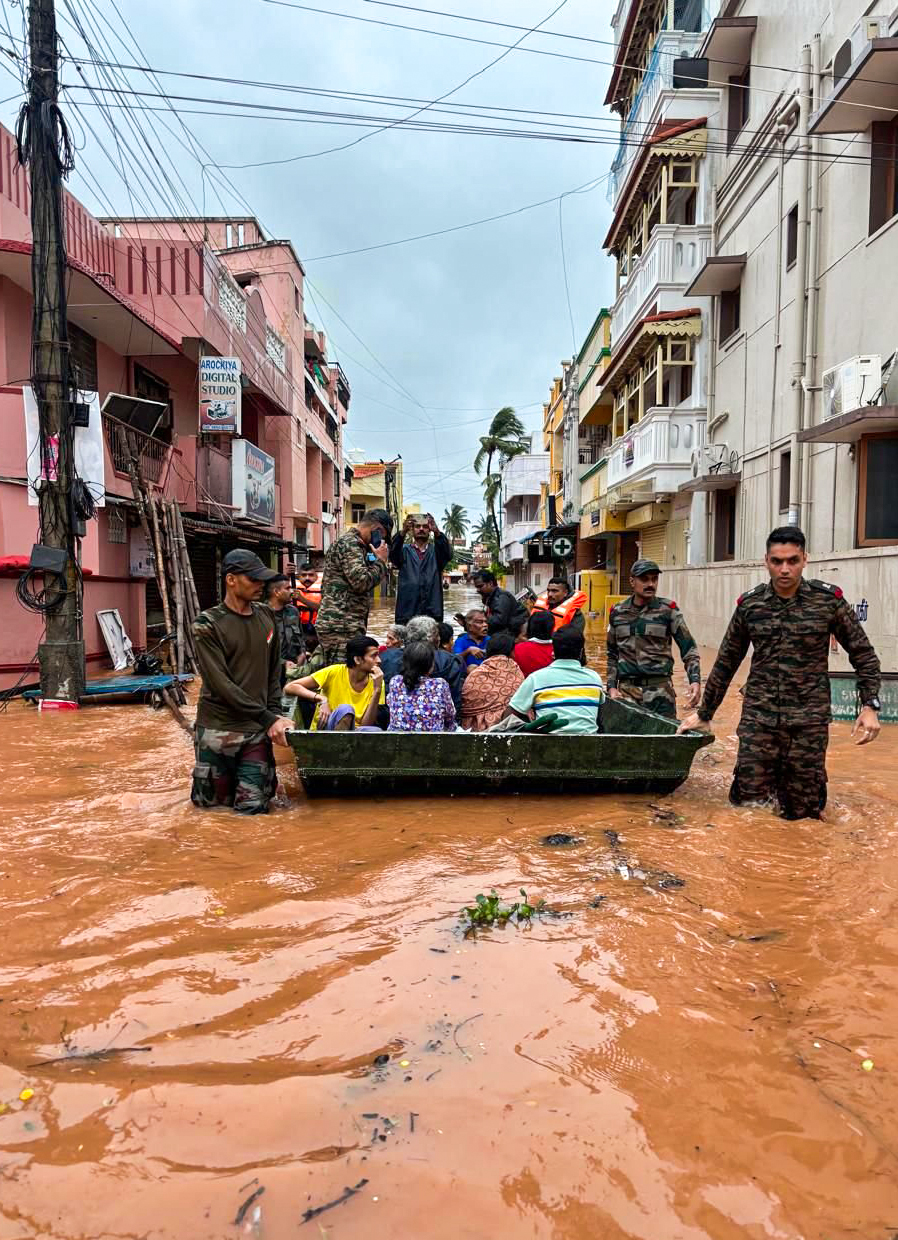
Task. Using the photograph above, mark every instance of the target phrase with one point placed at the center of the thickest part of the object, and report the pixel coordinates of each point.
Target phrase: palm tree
(504, 440)
(455, 522)
(483, 530)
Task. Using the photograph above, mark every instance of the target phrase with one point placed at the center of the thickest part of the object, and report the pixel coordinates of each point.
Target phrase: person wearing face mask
(353, 566)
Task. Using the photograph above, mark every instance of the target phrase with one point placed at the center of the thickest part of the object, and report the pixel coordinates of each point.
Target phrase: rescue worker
(640, 659)
(784, 729)
(278, 594)
(419, 591)
(563, 603)
(353, 566)
(239, 712)
(307, 595)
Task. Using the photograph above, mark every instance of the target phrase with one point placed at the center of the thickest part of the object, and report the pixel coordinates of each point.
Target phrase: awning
(554, 531)
(647, 332)
(710, 482)
(727, 47)
(94, 306)
(869, 420)
(867, 91)
(720, 274)
(240, 533)
(674, 138)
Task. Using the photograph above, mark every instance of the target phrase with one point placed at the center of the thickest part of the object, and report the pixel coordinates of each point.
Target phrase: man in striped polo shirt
(566, 688)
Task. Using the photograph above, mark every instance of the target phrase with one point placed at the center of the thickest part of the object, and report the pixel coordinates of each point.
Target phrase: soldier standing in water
(784, 729)
(640, 632)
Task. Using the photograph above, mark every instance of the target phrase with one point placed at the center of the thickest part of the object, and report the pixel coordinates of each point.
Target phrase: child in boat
(418, 701)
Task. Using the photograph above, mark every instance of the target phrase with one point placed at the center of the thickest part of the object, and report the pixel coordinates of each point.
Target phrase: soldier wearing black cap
(640, 632)
(239, 713)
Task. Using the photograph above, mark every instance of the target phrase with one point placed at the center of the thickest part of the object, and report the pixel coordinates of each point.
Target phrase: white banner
(88, 449)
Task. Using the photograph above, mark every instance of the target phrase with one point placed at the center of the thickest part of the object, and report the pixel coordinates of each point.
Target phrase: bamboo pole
(177, 592)
(185, 559)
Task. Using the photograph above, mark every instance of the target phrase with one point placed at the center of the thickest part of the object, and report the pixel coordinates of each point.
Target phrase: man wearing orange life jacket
(308, 595)
(565, 604)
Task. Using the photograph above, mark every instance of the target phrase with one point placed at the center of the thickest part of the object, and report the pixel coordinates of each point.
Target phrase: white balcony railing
(660, 445)
(658, 77)
(512, 535)
(672, 259)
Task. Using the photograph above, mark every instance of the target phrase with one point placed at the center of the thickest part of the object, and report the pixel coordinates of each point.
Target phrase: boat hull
(637, 751)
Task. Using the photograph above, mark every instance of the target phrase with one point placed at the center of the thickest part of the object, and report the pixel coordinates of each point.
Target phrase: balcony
(657, 80)
(319, 390)
(524, 475)
(513, 533)
(655, 455)
(127, 445)
(673, 258)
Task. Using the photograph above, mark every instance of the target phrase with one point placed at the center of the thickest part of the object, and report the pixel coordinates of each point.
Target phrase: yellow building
(377, 484)
(551, 495)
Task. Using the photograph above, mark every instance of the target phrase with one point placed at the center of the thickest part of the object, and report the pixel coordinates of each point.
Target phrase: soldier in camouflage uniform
(239, 712)
(784, 729)
(348, 583)
(640, 660)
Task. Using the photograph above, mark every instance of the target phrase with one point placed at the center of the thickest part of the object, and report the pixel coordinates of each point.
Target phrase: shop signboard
(220, 395)
(846, 704)
(252, 482)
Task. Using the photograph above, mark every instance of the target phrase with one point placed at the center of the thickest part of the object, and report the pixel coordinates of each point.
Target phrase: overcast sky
(464, 323)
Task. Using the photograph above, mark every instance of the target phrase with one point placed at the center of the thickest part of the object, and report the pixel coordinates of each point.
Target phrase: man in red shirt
(536, 651)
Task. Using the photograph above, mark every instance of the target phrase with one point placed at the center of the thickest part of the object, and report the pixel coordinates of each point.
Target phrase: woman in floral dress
(419, 702)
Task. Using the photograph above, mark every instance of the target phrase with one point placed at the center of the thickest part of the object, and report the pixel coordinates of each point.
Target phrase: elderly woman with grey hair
(446, 666)
(395, 638)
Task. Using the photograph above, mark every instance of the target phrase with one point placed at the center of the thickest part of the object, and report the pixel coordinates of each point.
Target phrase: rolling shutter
(653, 542)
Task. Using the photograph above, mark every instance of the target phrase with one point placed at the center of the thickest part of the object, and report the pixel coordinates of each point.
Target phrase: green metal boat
(636, 751)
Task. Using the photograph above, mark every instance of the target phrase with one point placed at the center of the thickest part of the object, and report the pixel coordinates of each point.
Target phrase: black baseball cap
(248, 564)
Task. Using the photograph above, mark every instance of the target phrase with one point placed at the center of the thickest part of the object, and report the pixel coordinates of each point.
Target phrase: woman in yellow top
(359, 683)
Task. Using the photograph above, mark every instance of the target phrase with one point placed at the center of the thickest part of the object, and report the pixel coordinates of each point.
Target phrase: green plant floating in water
(490, 911)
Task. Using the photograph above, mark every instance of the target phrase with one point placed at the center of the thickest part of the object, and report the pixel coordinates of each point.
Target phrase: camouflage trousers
(233, 769)
(780, 766)
(659, 696)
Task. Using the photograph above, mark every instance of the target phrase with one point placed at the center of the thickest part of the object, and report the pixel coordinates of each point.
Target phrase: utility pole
(61, 654)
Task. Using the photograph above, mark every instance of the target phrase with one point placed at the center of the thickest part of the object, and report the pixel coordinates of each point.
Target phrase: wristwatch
(874, 704)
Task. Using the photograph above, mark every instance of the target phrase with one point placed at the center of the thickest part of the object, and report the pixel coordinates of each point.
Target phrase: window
(785, 471)
(150, 387)
(83, 358)
(730, 307)
(883, 180)
(358, 511)
(738, 105)
(792, 237)
(297, 304)
(877, 516)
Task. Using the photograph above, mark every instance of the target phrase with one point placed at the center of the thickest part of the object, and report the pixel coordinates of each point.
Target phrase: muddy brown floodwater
(669, 1063)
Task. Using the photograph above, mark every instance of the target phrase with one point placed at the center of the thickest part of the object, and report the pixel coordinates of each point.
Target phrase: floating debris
(245, 1208)
(347, 1193)
(560, 839)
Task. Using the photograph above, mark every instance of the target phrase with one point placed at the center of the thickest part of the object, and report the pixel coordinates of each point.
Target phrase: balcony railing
(127, 445)
(661, 443)
(672, 259)
(658, 77)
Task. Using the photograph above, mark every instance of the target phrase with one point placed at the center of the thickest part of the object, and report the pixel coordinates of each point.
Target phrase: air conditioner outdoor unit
(868, 28)
(851, 384)
(714, 458)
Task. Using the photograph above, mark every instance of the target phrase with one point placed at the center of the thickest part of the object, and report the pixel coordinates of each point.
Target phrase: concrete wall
(707, 595)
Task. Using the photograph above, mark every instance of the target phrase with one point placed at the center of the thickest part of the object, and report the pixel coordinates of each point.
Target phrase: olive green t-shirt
(240, 663)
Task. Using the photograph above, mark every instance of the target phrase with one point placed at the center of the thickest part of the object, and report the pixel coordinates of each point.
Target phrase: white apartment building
(523, 478)
(802, 382)
(794, 397)
(654, 390)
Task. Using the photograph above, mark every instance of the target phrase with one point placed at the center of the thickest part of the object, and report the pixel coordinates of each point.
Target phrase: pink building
(147, 299)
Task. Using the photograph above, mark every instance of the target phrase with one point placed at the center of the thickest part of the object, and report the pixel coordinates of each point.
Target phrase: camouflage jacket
(346, 589)
(639, 642)
(788, 683)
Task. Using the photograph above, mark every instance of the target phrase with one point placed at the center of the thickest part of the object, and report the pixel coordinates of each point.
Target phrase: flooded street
(669, 1063)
